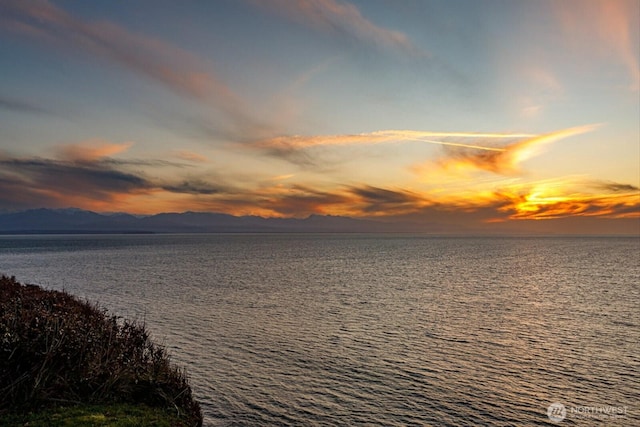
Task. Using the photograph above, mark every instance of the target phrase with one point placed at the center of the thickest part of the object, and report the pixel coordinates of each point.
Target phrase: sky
(512, 116)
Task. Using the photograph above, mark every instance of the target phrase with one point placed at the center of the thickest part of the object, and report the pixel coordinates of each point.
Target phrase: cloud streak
(11, 104)
(89, 151)
(168, 65)
(499, 153)
(164, 63)
(508, 158)
(388, 136)
(342, 18)
(190, 156)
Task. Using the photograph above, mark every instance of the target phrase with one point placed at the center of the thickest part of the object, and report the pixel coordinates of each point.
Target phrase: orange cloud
(282, 177)
(570, 197)
(390, 136)
(553, 199)
(108, 186)
(465, 151)
(606, 25)
(507, 159)
(190, 156)
(540, 206)
(92, 150)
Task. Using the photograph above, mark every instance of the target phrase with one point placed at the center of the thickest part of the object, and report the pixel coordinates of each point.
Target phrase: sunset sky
(511, 115)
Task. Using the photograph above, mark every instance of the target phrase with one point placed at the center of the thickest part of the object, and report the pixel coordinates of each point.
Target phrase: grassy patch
(116, 415)
(55, 348)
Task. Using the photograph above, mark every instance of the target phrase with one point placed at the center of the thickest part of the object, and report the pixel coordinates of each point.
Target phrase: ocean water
(389, 330)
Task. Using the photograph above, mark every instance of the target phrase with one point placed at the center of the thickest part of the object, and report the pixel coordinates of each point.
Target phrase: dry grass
(56, 349)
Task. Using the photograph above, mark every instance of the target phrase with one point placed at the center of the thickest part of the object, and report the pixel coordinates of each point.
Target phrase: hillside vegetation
(56, 350)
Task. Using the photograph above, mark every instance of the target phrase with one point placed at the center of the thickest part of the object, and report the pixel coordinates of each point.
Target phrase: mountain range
(78, 221)
(59, 221)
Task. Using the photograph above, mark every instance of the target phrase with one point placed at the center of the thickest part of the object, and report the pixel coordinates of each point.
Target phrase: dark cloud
(39, 182)
(295, 156)
(20, 106)
(141, 162)
(492, 161)
(374, 199)
(629, 210)
(616, 187)
(302, 201)
(195, 187)
(92, 180)
(16, 195)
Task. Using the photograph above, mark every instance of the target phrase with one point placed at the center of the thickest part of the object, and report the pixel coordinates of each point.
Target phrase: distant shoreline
(286, 232)
(58, 232)
(77, 221)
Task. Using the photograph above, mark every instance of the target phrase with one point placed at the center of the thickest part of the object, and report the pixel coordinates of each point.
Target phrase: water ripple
(358, 330)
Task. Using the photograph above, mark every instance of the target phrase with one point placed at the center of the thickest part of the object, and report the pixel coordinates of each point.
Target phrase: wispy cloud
(21, 106)
(343, 18)
(464, 151)
(540, 87)
(282, 177)
(287, 105)
(389, 136)
(164, 63)
(195, 186)
(297, 149)
(91, 150)
(605, 27)
(190, 156)
(154, 59)
(507, 160)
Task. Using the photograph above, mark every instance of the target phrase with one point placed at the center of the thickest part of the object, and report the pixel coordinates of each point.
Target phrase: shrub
(57, 349)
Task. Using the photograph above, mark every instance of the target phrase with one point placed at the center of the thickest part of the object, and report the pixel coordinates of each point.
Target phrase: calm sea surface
(355, 330)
